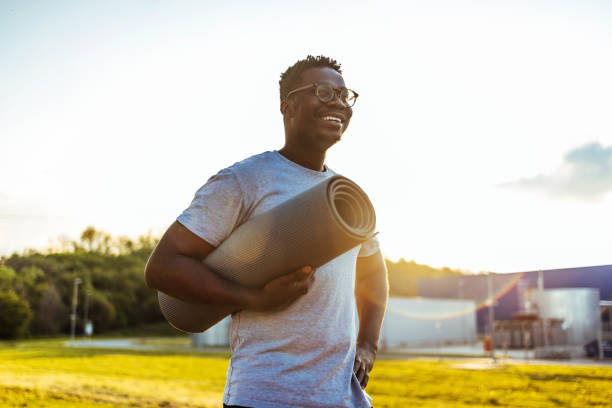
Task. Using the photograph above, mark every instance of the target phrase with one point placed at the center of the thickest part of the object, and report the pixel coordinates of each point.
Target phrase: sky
(482, 134)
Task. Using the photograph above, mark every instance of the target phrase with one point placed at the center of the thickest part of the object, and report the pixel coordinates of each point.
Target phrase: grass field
(47, 374)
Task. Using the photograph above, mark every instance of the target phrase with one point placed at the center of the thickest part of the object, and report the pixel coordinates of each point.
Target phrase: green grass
(43, 373)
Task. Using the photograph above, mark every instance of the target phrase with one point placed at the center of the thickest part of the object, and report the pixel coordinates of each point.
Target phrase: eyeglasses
(326, 93)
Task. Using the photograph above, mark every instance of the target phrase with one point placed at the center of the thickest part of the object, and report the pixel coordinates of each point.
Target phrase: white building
(416, 322)
(217, 335)
(408, 322)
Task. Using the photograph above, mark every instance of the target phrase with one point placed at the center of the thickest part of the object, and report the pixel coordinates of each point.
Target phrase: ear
(284, 106)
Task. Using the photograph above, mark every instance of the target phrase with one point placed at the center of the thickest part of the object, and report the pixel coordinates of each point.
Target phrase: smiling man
(294, 341)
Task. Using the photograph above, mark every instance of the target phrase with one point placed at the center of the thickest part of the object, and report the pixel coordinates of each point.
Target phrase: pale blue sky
(113, 113)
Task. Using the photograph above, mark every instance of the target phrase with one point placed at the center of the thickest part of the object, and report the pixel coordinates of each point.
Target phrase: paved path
(114, 343)
(477, 354)
(474, 354)
(137, 344)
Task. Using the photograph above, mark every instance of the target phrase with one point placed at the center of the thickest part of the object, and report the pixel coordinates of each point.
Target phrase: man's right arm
(176, 268)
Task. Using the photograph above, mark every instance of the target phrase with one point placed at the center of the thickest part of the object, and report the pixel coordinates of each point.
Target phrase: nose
(336, 101)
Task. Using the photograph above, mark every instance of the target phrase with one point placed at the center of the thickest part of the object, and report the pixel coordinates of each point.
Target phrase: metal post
(540, 281)
(491, 314)
(75, 293)
(544, 322)
(461, 295)
(85, 313)
(438, 332)
(600, 334)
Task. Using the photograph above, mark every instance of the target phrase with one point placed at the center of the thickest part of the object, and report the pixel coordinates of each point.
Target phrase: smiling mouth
(332, 119)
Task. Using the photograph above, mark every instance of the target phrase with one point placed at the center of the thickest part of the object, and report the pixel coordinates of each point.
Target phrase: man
(294, 341)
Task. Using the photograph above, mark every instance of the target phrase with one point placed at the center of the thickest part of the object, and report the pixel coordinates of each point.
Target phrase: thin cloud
(585, 174)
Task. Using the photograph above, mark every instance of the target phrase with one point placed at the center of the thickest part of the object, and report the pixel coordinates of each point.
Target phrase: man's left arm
(371, 294)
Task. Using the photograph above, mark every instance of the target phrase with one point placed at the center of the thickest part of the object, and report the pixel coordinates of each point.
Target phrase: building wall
(505, 288)
(408, 322)
(579, 309)
(217, 335)
(428, 322)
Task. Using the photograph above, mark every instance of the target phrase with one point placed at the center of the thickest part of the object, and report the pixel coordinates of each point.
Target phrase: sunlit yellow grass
(445, 384)
(46, 374)
(119, 378)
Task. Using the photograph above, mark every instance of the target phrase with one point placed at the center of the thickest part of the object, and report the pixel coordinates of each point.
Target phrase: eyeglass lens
(326, 93)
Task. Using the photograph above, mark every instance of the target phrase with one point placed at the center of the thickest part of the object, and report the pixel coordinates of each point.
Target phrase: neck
(310, 160)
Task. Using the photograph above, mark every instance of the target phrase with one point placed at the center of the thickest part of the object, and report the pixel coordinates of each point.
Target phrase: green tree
(111, 269)
(7, 278)
(101, 311)
(404, 275)
(15, 315)
(29, 283)
(50, 312)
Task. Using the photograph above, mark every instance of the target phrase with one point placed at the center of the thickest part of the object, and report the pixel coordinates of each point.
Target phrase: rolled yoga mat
(311, 228)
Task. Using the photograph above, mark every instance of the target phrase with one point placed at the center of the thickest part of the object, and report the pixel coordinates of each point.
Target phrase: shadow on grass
(565, 377)
(56, 349)
(31, 397)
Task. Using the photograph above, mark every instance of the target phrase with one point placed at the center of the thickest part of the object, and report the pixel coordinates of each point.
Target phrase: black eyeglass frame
(336, 94)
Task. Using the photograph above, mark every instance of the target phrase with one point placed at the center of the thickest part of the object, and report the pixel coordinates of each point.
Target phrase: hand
(364, 361)
(281, 292)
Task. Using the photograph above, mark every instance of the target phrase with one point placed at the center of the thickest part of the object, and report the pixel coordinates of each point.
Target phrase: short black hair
(292, 76)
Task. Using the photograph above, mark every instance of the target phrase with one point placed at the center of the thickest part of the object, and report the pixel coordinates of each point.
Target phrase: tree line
(36, 287)
(404, 275)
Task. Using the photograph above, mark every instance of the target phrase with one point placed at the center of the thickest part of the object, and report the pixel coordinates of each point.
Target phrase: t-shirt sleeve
(217, 208)
(369, 247)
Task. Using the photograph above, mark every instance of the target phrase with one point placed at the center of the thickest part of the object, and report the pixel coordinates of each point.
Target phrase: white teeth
(332, 118)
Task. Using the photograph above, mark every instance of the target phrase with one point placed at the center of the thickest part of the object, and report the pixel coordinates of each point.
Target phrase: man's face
(315, 125)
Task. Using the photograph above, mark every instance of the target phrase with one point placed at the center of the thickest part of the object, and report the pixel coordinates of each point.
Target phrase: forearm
(371, 307)
(371, 294)
(188, 279)
(176, 268)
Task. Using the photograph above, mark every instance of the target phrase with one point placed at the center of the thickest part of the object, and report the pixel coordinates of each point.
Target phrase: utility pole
(491, 314)
(75, 298)
(461, 296)
(544, 323)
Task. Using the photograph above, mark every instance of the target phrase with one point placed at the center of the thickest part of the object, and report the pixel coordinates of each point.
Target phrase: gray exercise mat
(311, 228)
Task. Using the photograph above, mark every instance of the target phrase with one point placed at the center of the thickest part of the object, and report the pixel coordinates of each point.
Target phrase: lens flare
(424, 315)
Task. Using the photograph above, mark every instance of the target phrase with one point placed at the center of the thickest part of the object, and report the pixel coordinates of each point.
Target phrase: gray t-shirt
(302, 356)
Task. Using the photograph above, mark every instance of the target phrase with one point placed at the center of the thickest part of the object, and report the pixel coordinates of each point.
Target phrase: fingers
(303, 280)
(363, 377)
(298, 284)
(281, 292)
(304, 272)
(303, 277)
(361, 374)
(362, 371)
(364, 381)
(297, 275)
